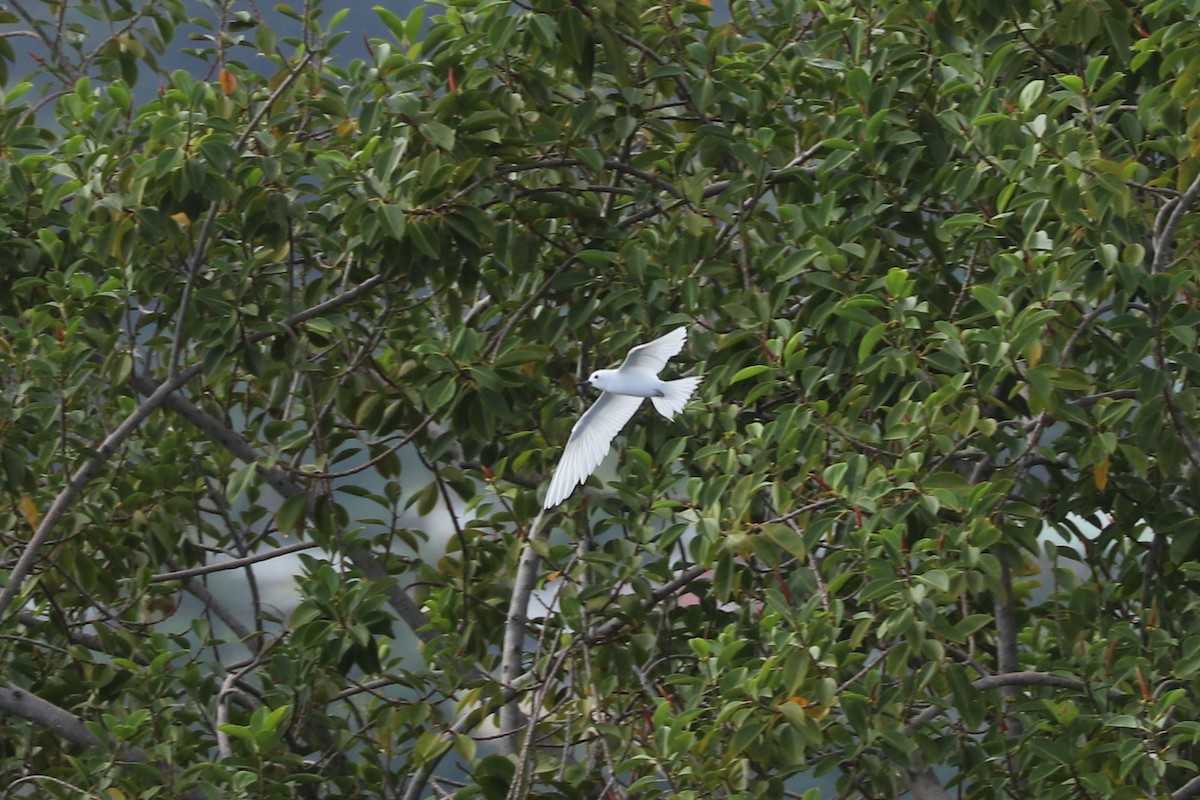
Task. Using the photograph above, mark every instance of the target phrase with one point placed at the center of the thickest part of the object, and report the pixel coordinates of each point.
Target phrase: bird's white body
(623, 390)
(636, 384)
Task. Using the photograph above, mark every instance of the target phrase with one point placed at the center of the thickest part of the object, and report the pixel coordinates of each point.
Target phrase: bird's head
(599, 379)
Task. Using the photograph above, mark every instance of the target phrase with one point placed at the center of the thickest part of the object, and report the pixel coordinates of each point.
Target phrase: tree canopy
(928, 526)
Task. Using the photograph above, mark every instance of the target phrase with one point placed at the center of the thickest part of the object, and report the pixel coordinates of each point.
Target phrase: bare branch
(44, 714)
(1027, 678)
(51, 43)
(234, 563)
(1167, 220)
(84, 639)
(1188, 790)
(512, 651)
(924, 785)
(201, 593)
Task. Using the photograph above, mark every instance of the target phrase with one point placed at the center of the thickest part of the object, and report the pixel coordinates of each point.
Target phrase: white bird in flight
(623, 390)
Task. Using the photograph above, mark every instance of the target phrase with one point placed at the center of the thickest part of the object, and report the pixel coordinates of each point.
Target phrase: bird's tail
(675, 396)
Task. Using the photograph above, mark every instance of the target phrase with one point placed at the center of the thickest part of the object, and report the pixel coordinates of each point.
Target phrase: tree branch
(201, 593)
(924, 785)
(62, 723)
(1027, 678)
(1188, 790)
(1167, 220)
(90, 641)
(287, 486)
(512, 651)
(80, 480)
(509, 691)
(234, 563)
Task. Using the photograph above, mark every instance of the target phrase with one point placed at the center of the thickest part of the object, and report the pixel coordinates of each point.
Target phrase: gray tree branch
(82, 477)
(62, 723)
(286, 486)
(1010, 679)
(512, 651)
(1167, 221)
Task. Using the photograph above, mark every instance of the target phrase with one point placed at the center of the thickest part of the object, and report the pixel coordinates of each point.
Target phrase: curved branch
(1165, 224)
(62, 723)
(44, 714)
(1188, 790)
(613, 164)
(1026, 678)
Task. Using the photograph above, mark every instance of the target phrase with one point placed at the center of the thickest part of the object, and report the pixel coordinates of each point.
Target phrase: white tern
(622, 392)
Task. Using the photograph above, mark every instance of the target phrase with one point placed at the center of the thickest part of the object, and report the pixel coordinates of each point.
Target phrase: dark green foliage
(931, 514)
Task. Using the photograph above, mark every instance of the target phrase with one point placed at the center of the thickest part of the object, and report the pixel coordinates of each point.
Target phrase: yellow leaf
(797, 708)
(347, 126)
(228, 82)
(1100, 474)
(181, 218)
(30, 510)
(1033, 352)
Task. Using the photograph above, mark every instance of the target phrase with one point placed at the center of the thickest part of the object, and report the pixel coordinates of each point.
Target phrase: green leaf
(857, 710)
(396, 220)
(392, 21)
(1030, 94)
(241, 481)
(786, 538)
(744, 736)
(870, 339)
(990, 300)
(237, 731)
(441, 135)
(291, 514)
(1123, 721)
(412, 25)
(748, 372)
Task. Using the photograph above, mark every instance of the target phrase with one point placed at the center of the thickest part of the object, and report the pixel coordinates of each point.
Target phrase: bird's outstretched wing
(589, 442)
(653, 356)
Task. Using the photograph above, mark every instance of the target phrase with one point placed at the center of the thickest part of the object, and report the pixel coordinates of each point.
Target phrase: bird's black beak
(585, 382)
